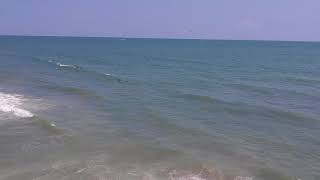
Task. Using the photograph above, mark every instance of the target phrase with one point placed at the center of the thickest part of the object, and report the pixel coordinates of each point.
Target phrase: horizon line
(159, 38)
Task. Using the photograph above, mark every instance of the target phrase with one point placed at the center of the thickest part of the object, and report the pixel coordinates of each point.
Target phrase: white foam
(197, 177)
(65, 65)
(190, 177)
(53, 125)
(12, 104)
(62, 65)
(244, 178)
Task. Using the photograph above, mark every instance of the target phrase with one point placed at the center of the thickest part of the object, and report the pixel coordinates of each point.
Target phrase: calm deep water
(111, 108)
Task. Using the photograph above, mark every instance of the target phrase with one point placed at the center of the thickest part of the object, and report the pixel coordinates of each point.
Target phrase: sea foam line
(64, 65)
(10, 103)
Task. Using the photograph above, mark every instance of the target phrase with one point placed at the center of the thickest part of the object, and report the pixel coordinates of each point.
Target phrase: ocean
(129, 109)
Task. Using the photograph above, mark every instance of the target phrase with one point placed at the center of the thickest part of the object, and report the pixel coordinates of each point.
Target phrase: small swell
(268, 173)
(253, 88)
(283, 116)
(201, 98)
(72, 90)
(271, 90)
(178, 60)
(303, 80)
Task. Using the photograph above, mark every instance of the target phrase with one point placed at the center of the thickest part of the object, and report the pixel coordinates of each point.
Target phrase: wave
(99, 169)
(64, 65)
(85, 93)
(11, 103)
(269, 173)
(304, 80)
(271, 90)
(79, 68)
(111, 76)
(178, 60)
(276, 114)
(201, 98)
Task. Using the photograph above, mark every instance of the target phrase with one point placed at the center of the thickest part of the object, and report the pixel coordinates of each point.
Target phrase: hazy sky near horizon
(212, 19)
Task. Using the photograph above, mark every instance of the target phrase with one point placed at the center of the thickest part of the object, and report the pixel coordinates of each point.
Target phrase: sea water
(113, 108)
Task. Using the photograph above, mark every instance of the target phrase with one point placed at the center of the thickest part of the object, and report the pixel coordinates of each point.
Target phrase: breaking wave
(11, 103)
(79, 68)
(64, 65)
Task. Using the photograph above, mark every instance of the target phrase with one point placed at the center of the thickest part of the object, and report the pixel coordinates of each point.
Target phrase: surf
(12, 104)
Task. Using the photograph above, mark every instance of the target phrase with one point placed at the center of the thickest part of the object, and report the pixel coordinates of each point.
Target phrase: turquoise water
(110, 108)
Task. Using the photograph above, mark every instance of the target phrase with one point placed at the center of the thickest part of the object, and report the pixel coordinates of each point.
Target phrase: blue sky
(205, 19)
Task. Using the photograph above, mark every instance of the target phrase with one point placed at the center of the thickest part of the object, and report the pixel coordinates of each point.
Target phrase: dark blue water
(110, 108)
